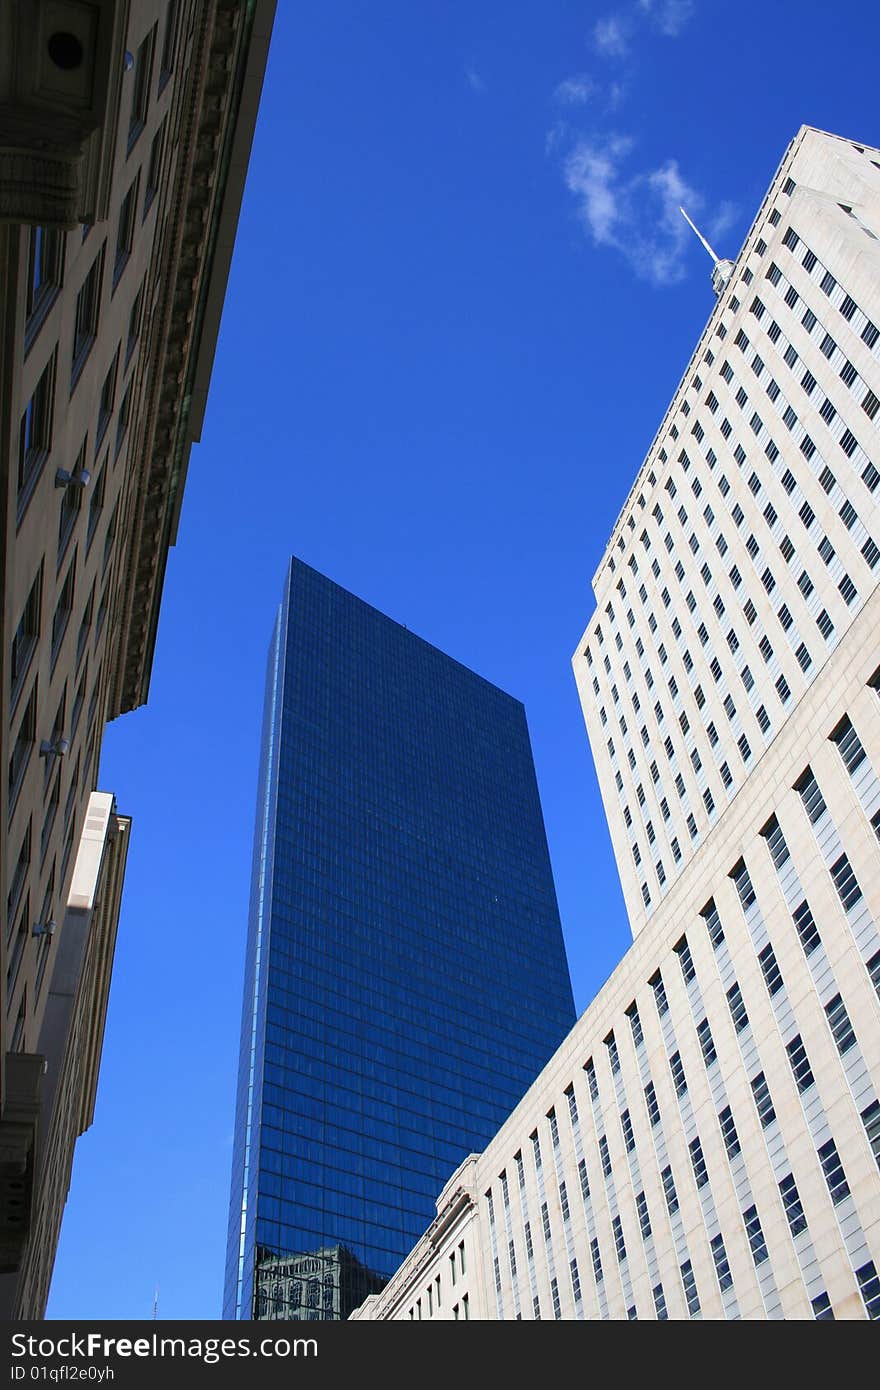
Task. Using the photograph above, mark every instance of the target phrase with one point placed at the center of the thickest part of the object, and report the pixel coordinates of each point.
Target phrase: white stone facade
(706, 1141)
(749, 543)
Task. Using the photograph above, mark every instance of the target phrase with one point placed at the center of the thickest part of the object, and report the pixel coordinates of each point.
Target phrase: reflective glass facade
(406, 976)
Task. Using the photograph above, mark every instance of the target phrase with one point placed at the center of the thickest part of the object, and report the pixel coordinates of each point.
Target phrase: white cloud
(576, 91)
(591, 175)
(611, 37)
(669, 16)
(636, 214)
(475, 81)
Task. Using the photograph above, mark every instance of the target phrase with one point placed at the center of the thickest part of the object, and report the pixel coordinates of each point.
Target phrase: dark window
(35, 434)
(25, 639)
(669, 1190)
(678, 1076)
(704, 1033)
(763, 1102)
(85, 326)
(806, 928)
(169, 39)
(791, 1202)
(846, 883)
(698, 1162)
(722, 1266)
(869, 1287)
(106, 401)
(44, 277)
(839, 1023)
(838, 1187)
(770, 967)
(125, 229)
(141, 83)
(800, 1064)
(690, 1288)
(757, 1244)
(63, 610)
(154, 167)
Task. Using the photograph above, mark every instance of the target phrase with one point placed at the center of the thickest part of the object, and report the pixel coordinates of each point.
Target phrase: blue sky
(460, 301)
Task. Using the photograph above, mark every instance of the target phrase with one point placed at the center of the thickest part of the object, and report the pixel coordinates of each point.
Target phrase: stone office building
(125, 131)
(706, 1141)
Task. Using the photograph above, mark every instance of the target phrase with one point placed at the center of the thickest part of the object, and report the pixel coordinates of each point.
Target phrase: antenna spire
(721, 269)
(156, 1305)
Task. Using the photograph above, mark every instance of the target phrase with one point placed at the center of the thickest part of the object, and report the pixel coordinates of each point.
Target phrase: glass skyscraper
(405, 977)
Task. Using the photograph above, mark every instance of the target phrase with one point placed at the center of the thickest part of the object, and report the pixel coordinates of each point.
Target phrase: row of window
(853, 755)
(824, 622)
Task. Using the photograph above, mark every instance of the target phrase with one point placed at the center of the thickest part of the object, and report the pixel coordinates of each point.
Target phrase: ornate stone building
(125, 132)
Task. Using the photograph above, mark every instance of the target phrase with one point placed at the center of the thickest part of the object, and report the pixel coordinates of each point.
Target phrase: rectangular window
(678, 1076)
(838, 1022)
(729, 1132)
(629, 1138)
(871, 1121)
(660, 1303)
(698, 1162)
(123, 418)
(686, 961)
(806, 928)
(24, 641)
(869, 1287)
(86, 317)
(644, 1217)
(45, 275)
(713, 923)
(125, 229)
(63, 610)
(656, 983)
(763, 1102)
(604, 1155)
(584, 1179)
(22, 748)
(96, 504)
(770, 969)
(757, 1244)
(35, 434)
(811, 796)
(154, 168)
(800, 1064)
(849, 745)
(134, 324)
(722, 1266)
(846, 883)
(590, 1069)
(690, 1288)
(791, 1202)
(652, 1105)
(707, 1045)
(619, 1242)
(106, 402)
(166, 64)
(669, 1191)
(838, 1187)
(141, 81)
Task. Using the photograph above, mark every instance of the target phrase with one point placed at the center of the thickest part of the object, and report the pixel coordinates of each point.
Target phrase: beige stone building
(706, 1142)
(125, 131)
